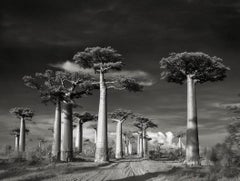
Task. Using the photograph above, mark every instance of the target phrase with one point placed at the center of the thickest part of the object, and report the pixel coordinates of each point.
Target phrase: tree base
(192, 163)
(101, 156)
(56, 156)
(119, 156)
(66, 156)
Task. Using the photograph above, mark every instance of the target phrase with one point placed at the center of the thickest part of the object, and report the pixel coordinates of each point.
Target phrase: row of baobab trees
(63, 88)
(119, 116)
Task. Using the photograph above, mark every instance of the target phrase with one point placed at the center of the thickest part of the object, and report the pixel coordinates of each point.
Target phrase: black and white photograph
(120, 90)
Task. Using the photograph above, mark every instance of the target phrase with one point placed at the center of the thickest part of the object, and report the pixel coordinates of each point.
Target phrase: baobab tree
(138, 133)
(51, 90)
(16, 133)
(119, 116)
(192, 68)
(180, 135)
(128, 143)
(24, 114)
(41, 141)
(104, 60)
(75, 85)
(143, 123)
(81, 119)
(60, 87)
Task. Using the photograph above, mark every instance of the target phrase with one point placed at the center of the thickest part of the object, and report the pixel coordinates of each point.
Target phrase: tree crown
(144, 123)
(200, 66)
(75, 85)
(128, 136)
(60, 85)
(84, 117)
(16, 131)
(180, 134)
(22, 112)
(100, 59)
(48, 84)
(121, 114)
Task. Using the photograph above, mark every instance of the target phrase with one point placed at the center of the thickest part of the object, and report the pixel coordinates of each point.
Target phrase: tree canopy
(22, 112)
(84, 117)
(54, 85)
(100, 59)
(16, 131)
(75, 85)
(120, 114)
(104, 60)
(180, 134)
(200, 66)
(144, 123)
(48, 84)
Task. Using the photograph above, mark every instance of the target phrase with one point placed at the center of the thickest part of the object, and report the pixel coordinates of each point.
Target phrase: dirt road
(121, 170)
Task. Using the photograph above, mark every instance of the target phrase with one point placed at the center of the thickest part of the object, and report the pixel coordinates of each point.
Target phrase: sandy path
(122, 170)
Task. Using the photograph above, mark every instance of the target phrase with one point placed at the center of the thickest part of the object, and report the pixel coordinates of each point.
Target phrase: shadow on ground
(149, 175)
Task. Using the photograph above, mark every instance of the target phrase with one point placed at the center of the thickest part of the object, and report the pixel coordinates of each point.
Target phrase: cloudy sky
(35, 34)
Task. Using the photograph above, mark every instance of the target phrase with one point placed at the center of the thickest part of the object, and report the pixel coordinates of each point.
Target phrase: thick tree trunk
(126, 151)
(79, 139)
(57, 132)
(141, 146)
(180, 146)
(16, 143)
(138, 144)
(95, 136)
(22, 138)
(119, 150)
(147, 146)
(101, 154)
(192, 146)
(130, 148)
(67, 133)
(179, 143)
(145, 154)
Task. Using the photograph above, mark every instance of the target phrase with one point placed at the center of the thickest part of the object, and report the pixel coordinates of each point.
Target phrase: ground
(130, 169)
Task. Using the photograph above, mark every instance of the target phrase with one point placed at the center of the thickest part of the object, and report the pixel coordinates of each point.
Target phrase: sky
(37, 34)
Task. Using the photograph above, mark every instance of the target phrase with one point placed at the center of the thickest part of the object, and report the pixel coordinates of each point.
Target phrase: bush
(224, 164)
(111, 153)
(34, 157)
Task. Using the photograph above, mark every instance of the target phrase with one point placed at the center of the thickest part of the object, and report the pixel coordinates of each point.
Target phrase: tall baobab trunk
(119, 150)
(130, 148)
(79, 139)
(57, 132)
(16, 143)
(95, 135)
(126, 151)
(180, 146)
(138, 144)
(22, 138)
(192, 147)
(67, 133)
(147, 146)
(101, 154)
(145, 154)
(141, 146)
